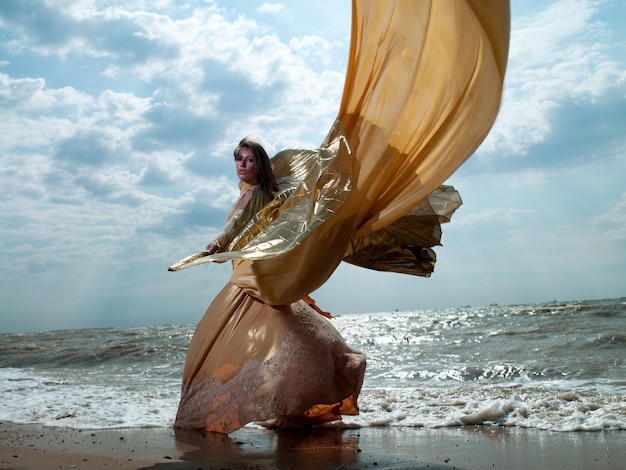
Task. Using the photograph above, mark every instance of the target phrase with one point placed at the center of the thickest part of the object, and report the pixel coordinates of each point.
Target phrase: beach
(469, 447)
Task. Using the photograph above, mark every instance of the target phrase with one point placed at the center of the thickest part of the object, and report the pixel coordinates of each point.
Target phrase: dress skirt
(249, 361)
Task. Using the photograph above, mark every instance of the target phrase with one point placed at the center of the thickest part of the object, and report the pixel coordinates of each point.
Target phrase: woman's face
(246, 164)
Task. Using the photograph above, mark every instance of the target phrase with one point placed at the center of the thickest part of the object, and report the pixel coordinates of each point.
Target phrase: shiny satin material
(249, 361)
(415, 105)
(404, 246)
(422, 90)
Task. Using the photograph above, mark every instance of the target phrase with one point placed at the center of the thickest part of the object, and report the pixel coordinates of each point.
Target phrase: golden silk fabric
(422, 90)
(404, 246)
(249, 361)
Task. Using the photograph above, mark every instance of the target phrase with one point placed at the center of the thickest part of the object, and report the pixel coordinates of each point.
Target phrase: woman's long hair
(267, 181)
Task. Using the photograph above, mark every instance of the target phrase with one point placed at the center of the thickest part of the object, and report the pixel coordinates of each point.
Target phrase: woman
(283, 365)
(257, 187)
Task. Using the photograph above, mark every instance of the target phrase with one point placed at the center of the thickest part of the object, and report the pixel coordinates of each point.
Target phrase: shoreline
(469, 447)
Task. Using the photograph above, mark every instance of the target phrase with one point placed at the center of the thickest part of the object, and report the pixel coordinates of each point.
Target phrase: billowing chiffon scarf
(422, 90)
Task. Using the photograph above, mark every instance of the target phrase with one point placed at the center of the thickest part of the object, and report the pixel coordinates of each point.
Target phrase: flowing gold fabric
(422, 90)
(404, 246)
(249, 361)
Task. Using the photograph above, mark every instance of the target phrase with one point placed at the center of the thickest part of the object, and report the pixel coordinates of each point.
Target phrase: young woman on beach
(257, 186)
(284, 365)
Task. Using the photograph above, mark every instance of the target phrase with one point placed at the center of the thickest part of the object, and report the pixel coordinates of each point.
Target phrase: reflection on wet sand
(320, 448)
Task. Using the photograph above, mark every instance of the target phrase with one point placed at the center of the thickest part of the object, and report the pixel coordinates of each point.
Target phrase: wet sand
(481, 447)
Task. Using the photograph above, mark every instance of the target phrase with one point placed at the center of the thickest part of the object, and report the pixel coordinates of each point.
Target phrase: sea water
(553, 366)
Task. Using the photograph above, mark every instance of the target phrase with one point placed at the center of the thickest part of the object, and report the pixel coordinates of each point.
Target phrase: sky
(118, 119)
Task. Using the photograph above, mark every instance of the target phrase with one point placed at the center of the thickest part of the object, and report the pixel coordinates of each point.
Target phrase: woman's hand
(212, 247)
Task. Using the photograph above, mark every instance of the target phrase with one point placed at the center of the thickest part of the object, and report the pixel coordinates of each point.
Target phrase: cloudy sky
(119, 118)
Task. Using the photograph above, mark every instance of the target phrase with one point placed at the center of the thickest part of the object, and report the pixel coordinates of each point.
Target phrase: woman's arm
(227, 234)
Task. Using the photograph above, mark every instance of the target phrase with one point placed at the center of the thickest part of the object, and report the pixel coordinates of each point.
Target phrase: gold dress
(422, 90)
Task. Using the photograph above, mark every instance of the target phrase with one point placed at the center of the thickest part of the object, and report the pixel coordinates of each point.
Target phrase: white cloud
(31, 116)
(612, 224)
(491, 216)
(557, 56)
(276, 9)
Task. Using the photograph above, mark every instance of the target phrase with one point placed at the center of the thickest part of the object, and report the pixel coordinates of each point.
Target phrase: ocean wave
(556, 366)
